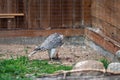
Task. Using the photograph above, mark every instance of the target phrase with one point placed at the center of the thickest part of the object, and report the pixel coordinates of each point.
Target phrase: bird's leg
(57, 55)
(49, 54)
(53, 54)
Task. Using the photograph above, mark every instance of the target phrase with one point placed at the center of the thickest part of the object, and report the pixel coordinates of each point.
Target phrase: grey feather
(53, 41)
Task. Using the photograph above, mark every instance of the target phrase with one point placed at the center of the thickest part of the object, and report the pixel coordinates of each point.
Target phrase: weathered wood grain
(108, 11)
(33, 33)
(103, 40)
(108, 29)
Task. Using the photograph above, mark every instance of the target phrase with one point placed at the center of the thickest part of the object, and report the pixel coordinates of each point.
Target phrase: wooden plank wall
(45, 14)
(106, 16)
(86, 13)
(54, 14)
(11, 6)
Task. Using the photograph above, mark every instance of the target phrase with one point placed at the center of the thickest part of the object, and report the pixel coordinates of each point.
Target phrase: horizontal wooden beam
(103, 40)
(7, 16)
(33, 33)
(11, 14)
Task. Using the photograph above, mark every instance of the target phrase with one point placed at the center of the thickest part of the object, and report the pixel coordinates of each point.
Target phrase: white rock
(118, 54)
(114, 67)
(89, 65)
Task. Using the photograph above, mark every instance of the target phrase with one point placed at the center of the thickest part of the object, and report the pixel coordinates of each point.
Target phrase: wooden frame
(10, 15)
(33, 33)
(103, 40)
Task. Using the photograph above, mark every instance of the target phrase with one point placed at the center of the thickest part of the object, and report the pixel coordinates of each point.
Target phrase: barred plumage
(51, 43)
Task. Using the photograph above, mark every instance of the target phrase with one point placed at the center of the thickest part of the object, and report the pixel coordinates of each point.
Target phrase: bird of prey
(51, 44)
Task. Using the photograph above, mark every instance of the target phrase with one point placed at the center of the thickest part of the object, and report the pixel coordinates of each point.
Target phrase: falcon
(51, 44)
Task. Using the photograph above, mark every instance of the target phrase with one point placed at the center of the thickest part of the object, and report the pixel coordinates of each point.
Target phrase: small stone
(117, 54)
(114, 67)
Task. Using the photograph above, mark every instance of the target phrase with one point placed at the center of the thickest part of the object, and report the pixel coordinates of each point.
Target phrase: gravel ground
(69, 54)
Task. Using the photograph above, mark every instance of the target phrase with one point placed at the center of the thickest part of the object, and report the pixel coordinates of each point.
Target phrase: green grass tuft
(16, 69)
(105, 62)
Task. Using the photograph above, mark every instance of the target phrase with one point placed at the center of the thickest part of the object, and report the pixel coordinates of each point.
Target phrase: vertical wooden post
(86, 12)
(28, 3)
(9, 22)
(55, 14)
(77, 13)
(67, 13)
(44, 14)
(25, 11)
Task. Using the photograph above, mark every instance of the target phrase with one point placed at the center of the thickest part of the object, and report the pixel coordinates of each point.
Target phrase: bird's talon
(56, 58)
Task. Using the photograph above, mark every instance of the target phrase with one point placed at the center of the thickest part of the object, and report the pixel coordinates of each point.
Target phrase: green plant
(16, 69)
(105, 62)
(13, 68)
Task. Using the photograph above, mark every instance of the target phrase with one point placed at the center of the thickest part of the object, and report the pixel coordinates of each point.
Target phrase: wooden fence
(43, 14)
(105, 16)
(43, 17)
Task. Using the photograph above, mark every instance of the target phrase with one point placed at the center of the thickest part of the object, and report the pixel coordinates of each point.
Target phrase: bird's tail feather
(38, 48)
(32, 53)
